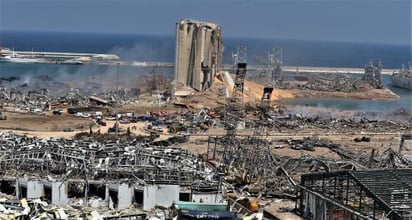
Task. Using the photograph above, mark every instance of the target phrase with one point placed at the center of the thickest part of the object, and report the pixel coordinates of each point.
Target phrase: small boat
(73, 62)
(402, 78)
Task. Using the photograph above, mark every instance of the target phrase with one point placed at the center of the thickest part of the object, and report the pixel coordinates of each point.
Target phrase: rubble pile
(24, 100)
(37, 209)
(288, 121)
(351, 159)
(399, 120)
(281, 175)
(253, 169)
(40, 93)
(341, 83)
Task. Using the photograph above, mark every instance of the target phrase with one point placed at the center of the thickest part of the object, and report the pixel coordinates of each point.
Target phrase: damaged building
(372, 194)
(109, 174)
(198, 53)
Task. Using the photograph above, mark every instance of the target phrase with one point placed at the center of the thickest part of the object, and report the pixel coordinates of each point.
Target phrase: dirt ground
(373, 94)
(42, 122)
(49, 125)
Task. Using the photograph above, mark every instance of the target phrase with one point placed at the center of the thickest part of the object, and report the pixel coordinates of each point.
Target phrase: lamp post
(117, 101)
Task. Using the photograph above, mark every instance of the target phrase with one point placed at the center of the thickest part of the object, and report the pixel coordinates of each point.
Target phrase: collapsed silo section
(198, 53)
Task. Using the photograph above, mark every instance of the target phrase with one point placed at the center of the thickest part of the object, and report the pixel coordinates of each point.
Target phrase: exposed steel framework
(357, 194)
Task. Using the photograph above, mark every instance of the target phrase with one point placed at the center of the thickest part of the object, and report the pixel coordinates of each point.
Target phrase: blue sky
(381, 21)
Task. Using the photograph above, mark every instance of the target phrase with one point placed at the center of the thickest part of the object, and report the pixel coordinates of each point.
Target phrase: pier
(53, 57)
(313, 69)
(68, 55)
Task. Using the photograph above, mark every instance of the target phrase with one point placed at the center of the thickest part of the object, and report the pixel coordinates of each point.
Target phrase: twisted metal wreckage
(248, 164)
(63, 158)
(89, 169)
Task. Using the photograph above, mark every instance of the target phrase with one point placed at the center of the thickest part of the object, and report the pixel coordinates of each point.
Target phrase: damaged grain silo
(198, 53)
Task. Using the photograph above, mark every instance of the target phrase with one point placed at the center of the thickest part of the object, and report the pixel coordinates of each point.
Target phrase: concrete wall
(162, 195)
(125, 196)
(198, 53)
(34, 189)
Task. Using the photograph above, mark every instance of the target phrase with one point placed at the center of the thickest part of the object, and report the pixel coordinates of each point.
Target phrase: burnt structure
(372, 194)
(198, 53)
(240, 56)
(124, 172)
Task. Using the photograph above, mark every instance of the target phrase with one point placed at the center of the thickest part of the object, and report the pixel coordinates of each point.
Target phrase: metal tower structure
(276, 62)
(236, 100)
(234, 112)
(260, 159)
(252, 157)
(240, 56)
(265, 103)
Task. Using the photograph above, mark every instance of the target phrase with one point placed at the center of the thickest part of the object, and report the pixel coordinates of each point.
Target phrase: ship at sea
(402, 78)
(8, 56)
(10, 59)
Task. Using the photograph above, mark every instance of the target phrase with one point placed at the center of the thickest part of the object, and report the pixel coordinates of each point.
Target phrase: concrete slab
(59, 193)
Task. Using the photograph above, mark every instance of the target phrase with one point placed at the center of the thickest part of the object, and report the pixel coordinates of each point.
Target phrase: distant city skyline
(374, 21)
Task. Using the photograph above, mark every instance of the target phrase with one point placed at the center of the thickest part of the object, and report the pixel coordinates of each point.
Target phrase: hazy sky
(384, 21)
